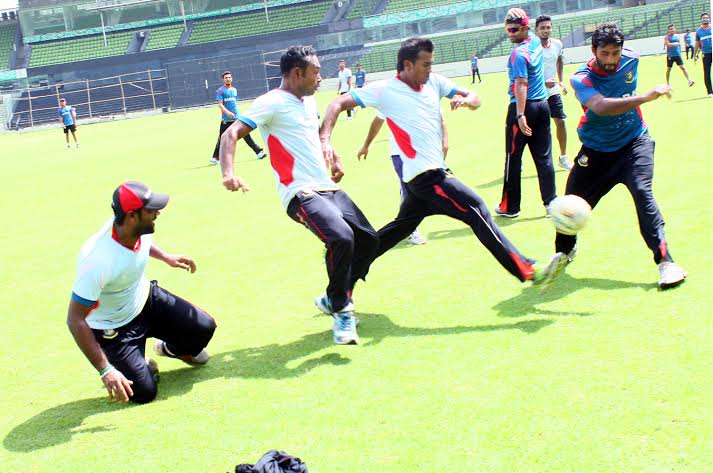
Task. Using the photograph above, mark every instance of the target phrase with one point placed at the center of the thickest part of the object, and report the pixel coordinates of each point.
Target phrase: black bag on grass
(274, 462)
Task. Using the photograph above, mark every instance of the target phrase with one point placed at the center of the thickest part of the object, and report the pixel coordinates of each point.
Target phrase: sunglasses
(514, 29)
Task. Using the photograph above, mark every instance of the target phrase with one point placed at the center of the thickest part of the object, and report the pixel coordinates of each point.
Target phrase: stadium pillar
(123, 97)
(153, 97)
(89, 100)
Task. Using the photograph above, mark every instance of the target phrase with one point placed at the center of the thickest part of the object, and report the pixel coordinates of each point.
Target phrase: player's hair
(606, 34)
(409, 51)
(542, 18)
(296, 56)
(62, 99)
(225, 73)
(704, 14)
(669, 26)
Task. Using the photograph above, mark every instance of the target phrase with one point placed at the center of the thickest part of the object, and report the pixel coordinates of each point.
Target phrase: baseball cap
(519, 18)
(133, 195)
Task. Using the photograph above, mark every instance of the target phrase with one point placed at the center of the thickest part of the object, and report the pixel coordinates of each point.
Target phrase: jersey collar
(594, 67)
(419, 89)
(136, 247)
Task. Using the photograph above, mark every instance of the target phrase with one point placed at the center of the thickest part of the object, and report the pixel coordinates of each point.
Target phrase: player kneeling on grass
(616, 146)
(114, 308)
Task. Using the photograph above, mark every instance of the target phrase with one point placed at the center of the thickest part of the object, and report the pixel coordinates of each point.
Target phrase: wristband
(105, 371)
(517, 117)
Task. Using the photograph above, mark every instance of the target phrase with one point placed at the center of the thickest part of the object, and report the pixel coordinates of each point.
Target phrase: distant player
(528, 116)
(288, 119)
(227, 98)
(553, 67)
(690, 44)
(114, 308)
(359, 77)
(673, 54)
(68, 119)
(345, 82)
(474, 68)
(410, 103)
(415, 238)
(616, 145)
(703, 44)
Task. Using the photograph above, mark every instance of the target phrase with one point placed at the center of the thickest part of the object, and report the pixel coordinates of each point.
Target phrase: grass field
(461, 368)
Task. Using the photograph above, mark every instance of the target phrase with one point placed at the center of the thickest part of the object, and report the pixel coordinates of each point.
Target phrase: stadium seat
(7, 38)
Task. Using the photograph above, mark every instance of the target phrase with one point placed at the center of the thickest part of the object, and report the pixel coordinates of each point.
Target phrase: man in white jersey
(553, 67)
(410, 102)
(414, 238)
(114, 308)
(345, 82)
(289, 122)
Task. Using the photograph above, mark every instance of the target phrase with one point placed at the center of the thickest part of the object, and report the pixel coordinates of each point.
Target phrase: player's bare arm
(118, 387)
(444, 140)
(374, 129)
(560, 75)
(174, 261)
(224, 110)
(465, 98)
(604, 106)
(237, 131)
(338, 105)
(520, 102)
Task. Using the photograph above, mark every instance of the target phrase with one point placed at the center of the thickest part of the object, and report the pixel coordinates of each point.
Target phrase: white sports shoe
(214, 161)
(565, 163)
(670, 275)
(153, 366)
(416, 238)
(344, 328)
(262, 155)
(200, 359)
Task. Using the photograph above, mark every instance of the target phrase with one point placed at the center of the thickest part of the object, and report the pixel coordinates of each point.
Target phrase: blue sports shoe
(325, 305)
(344, 328)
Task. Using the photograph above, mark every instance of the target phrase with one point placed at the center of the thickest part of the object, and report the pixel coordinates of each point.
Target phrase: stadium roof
(34, 4)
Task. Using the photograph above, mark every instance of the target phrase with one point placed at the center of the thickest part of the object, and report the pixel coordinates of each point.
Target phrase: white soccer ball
(569, 213)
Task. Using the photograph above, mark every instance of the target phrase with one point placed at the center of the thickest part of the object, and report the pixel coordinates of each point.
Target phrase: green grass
(462, 369)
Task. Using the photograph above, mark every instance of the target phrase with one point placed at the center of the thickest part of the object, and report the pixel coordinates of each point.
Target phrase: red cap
(134, 195)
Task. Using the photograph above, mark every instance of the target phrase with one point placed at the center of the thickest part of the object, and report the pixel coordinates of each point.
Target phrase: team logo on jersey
(629, 77)
(583, 160)
(110, 333)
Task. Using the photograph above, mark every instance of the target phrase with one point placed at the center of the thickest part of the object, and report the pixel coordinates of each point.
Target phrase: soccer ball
(569, 213)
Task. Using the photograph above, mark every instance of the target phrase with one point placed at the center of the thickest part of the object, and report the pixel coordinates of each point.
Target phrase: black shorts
(674, 59)
(68, 128)
(556, 106)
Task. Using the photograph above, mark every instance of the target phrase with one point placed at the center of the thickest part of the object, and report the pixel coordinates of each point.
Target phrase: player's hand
(549, 83)
(362, 153)
(659, 91)
(118, 386)
(522, 124)
(516, 13)
(230, 114)
(564, 88)
(235, 183)
(328, 153)
(336, 168)
(180, 261)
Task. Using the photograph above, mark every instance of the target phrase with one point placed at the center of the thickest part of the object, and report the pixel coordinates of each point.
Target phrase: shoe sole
(351, 341)
(671, 285)
(497, 214)
(554, 269)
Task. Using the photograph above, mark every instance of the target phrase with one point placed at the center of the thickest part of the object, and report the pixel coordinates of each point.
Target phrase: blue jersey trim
(247, 121)
(452, 92)
(357, 99)
(83, 301)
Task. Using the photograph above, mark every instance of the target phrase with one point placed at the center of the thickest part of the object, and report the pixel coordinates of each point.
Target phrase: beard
(606, 67)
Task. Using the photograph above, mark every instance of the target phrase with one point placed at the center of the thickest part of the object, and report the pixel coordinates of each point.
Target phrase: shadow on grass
(705, 97)
(59, 424)
(525, 303)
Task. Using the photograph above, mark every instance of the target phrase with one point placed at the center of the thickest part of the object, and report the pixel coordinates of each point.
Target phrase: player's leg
(317, 212)
(411, 213)
(679, 62)
(668, 73)
(540, 144)
(472, 81)
(558, 115)
(594, 174)
(216, 151)
(707, 73)
(477, 71)
(66, 136)
(183, 329)
(125, 348)
(515, 141)
(74, 135)
(639, 181)
(254, 146)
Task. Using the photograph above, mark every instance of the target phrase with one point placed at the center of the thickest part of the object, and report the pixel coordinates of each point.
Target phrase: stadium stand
(685, 15)
(400, 5)
(164, 37)
(250, 24)
(7, 38)
(59, 52)
(363, 8)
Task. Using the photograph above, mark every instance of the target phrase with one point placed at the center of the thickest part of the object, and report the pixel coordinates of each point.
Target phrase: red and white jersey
(414, 118)
(110, 278)
(550, 55)
(290, 127)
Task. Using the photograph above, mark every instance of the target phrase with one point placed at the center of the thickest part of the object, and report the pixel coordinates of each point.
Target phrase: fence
(146, 90)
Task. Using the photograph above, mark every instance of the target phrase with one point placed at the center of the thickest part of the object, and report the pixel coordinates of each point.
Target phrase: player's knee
(343, 237)
(144, 393)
